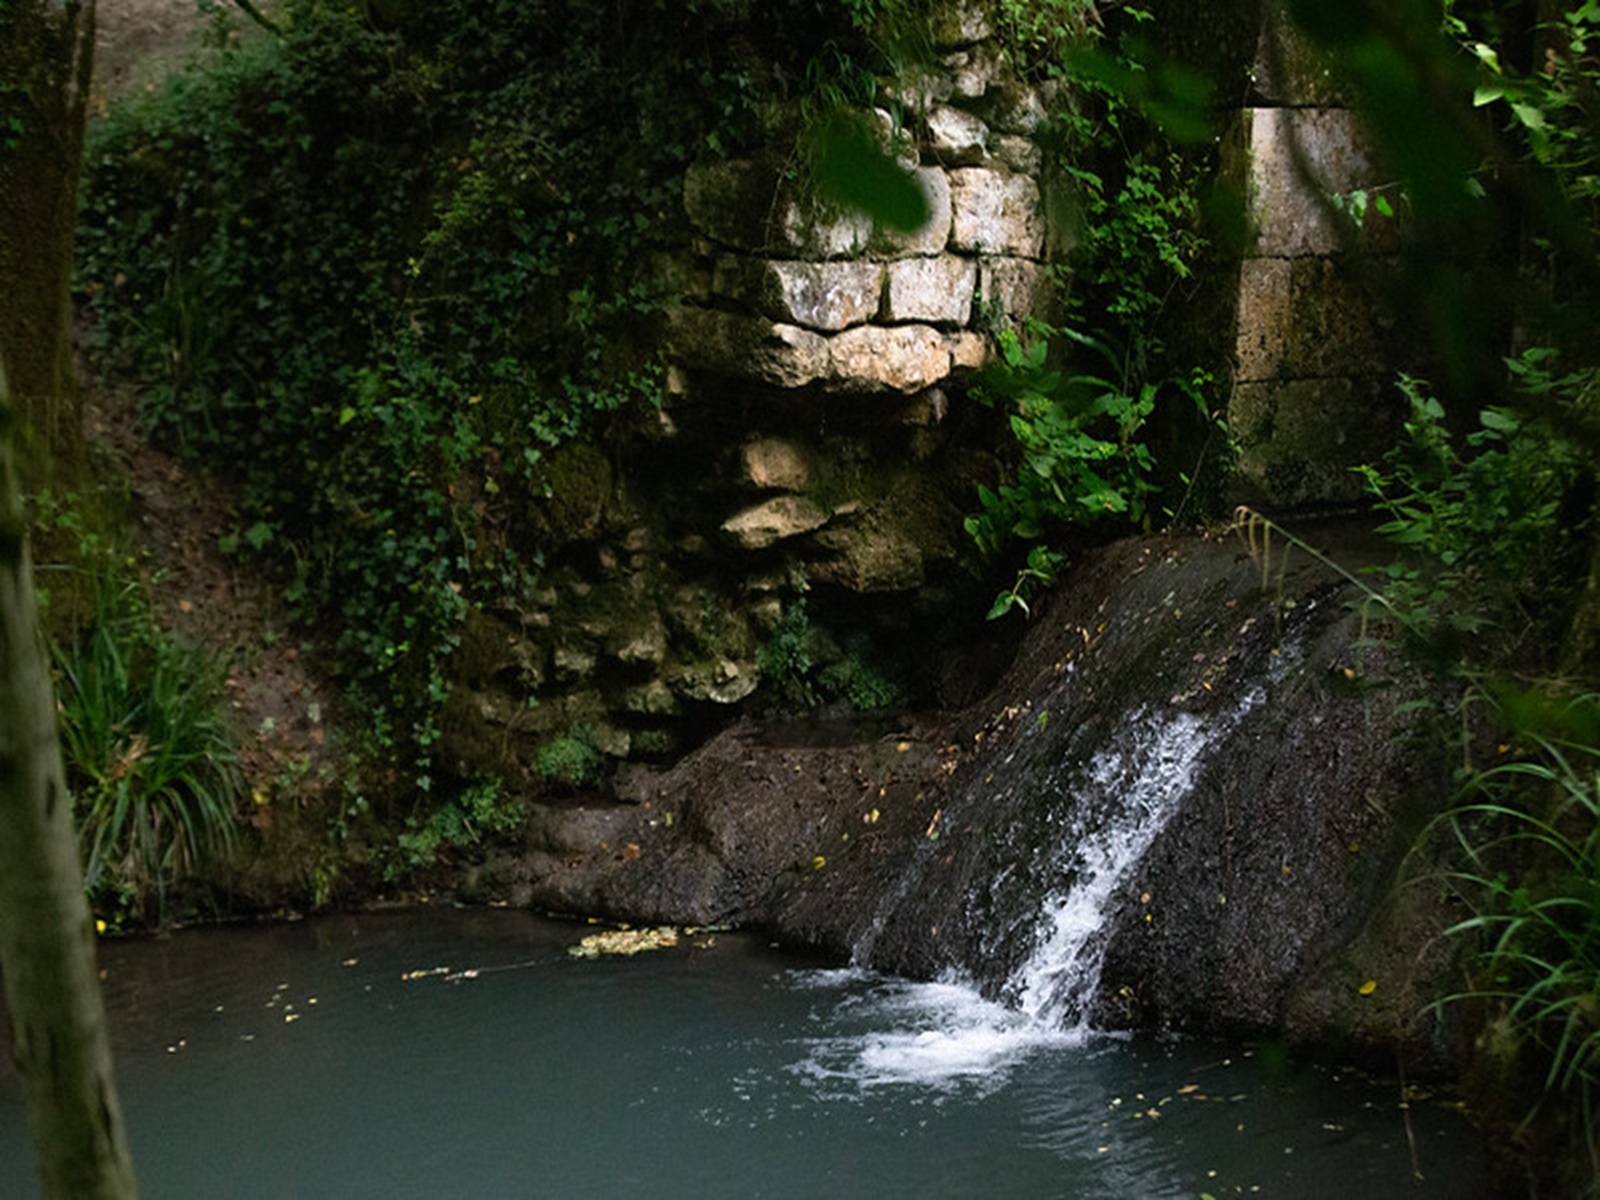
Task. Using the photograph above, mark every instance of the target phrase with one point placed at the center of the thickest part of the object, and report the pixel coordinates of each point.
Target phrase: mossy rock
(572, 492)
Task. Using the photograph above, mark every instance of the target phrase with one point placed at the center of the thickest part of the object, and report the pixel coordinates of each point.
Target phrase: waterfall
(1122, 802)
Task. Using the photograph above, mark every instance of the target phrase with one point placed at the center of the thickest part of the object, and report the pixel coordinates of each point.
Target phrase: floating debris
(625, 941)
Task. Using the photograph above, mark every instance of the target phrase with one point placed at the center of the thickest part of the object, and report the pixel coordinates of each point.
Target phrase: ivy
(376, 273)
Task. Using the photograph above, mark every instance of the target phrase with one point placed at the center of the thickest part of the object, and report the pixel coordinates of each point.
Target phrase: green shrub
(1480, 520)
(150, 757)
(1526, 840)
(478, 813)
(572, 760)
(1080, 392)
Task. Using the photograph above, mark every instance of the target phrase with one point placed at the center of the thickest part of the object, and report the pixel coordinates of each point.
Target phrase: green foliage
(806, 671)
(850, 169)
(1077, 437)
(572, 760)
(860, 679)
(480, 812)
(1527, 837)
(150, 756)
(1488, 128)
(1080, 393)
(375, 274)
(1039, 33)
(785, 658)
(1481, 519)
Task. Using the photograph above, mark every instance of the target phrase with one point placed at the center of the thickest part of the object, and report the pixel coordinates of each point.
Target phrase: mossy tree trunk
(46, 55)
(58, 1024)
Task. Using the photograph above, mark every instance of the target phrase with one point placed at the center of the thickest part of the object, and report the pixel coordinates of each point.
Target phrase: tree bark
(46, 55)
(58, 1023)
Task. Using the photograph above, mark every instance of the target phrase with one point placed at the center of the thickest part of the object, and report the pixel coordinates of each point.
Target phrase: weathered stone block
(1304, 317)
(730, 202)
(639, 642)
(828, 296)
(1289, 70)
(1011, 106)
(958, 23)
(935, 290)
(653, 699)
(811, 231)
(1265, 316)
(1018, 287)
(896, 139)
(869, 558)
(906, 358)
(724, 681)
(957, 138)
(968, 351)
(774, 520)
(1298, 439)
(1016, 153)
(994, 212)
(920, 87)
(973, 70)
(748, 206)
(1290, 212)
(776, 463)
(748, 347)
(935, 234)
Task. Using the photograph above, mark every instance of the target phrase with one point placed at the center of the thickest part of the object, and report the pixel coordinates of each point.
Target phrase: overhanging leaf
(851, 169)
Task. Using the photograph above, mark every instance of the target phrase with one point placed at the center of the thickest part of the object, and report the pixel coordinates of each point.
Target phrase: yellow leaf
(1367, 988)
(818, 863)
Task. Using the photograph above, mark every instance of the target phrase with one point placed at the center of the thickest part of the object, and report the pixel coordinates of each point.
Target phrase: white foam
(934, 1036)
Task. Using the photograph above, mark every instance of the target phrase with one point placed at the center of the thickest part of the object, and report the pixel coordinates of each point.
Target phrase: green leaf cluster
(1480, 520)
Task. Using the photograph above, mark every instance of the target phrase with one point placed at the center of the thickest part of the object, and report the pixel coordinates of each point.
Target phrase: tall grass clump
(150, 757)
(1524, 843)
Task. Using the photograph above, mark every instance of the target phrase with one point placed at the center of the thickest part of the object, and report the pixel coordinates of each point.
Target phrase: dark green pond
(467, 1054)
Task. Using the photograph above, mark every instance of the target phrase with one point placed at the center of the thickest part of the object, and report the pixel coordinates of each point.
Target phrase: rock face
(941, 842)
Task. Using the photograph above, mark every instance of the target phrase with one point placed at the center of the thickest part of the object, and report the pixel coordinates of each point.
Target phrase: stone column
(1314, 390)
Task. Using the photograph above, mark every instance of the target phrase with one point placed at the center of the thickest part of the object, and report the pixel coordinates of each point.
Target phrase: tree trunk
(58, 1023)
(46, 54)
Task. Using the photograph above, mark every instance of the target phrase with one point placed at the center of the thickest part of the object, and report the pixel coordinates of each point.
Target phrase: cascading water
(1112, 809)
(1129, 794)
(1057, 983)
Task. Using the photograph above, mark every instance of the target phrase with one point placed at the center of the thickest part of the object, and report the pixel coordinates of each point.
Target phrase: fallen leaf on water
(1187, 1088)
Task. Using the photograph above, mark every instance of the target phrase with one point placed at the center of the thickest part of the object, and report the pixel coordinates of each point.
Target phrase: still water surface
(467, 1054)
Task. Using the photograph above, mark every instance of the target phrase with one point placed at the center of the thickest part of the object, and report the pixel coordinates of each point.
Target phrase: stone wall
(791, 520)
(790, 524)
(791, 295)
(1316, 347)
